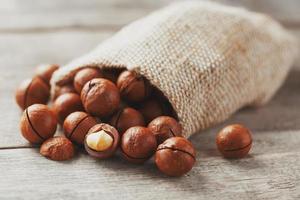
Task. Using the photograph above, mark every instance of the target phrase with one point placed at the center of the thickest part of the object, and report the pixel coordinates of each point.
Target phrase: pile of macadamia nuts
(111, 110)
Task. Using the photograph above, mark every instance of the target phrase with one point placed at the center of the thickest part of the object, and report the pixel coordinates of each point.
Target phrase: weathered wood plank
(65, 14)
(285, 11)
(26, 175)
(29, 15)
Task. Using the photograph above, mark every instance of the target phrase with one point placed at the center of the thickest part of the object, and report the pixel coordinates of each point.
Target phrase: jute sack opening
(208, 59)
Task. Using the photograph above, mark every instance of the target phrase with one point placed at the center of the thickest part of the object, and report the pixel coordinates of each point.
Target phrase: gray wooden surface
(33, 32)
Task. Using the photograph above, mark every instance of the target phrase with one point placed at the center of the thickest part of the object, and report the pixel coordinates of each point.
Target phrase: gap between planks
(98, 28)
(82, 28)
(18, 147)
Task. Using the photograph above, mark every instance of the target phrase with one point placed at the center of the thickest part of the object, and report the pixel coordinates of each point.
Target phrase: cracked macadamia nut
(234, 141)
(100, 97)
(85, 75)
(133, 87)
(175, 157)
(46, 71)
(126, 118)
(32, 91)
(63, 90)
(57, 148)
(38, 123)
(66, 104)
(77, 125)
(164, 127)
(102, 141)
(138, 144)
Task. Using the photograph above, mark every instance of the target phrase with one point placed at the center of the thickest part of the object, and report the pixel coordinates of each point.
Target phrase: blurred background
(42, 28)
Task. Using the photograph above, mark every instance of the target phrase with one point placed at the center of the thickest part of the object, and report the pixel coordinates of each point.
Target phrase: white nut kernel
(99, 141)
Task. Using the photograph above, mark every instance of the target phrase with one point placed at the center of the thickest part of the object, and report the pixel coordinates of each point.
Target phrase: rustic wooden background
(33, 32)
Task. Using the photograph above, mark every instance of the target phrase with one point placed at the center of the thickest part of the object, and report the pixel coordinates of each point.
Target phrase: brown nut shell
(66, 104)
(126, 118)
(85, 75)
(164, 127)
(46, 71)
(234, 141)
(138, 144)
(175, 157)
(100, 97)
(133, 87)
(151, 109)
(60, 90)
(57, 148)
(77, 125)
(32, 91)
(38, 123)
(112, 149)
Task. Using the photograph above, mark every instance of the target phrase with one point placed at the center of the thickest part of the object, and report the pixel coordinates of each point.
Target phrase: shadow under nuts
(77, 125)
(45, 72)
(102, 141)
(85, 75)
(234, 141)
(57, 148)
(32, 91)
(175, 157)
(38, 123)
(138, 144)
(100, 97)
(66, 104)
(133, 87)
(126, 118)
(164, 127)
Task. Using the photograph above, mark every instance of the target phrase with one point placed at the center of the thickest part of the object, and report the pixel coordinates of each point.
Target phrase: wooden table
(33, 32)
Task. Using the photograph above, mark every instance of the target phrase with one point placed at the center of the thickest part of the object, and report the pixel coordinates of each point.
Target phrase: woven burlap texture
(208, 59)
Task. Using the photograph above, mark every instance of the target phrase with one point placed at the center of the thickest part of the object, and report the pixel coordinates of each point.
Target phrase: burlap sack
(209, 60)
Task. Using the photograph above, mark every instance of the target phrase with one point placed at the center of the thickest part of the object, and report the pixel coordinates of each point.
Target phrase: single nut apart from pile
(102, 141)
(57, 148)
(175, 157)
(234, 141)
(38, 123)
(164, 127)
(77, 125)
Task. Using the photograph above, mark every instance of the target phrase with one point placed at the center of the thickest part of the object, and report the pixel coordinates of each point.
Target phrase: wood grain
(260, 176)
(31, 16)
